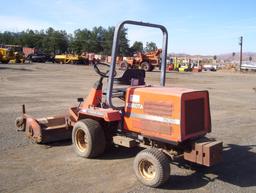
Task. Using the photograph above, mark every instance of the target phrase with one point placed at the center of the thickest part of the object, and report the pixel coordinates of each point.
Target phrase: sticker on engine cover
(134, 106)
(134, 98)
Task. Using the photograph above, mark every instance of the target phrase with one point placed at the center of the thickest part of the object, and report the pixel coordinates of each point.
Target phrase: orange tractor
(168, 122)
(147, 61)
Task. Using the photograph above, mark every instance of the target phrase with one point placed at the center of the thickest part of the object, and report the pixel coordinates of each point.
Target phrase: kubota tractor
(168, 122)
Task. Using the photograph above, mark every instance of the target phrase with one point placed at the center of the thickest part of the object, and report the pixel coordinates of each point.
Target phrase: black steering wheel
(102, 74)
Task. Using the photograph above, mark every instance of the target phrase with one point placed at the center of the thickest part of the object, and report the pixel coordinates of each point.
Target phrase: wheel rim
(19, 123)
(145, 67)
(123, 66)
(81, 140)
(147, 170)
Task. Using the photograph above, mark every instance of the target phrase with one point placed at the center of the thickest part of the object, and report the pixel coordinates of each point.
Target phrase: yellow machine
(11, 53)
(72, 59)
(184, 65)
(175, 64)
(6, 55)
(66, 58)
(185, 68)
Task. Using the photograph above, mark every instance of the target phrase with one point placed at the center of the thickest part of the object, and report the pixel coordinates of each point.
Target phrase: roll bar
(115, 50)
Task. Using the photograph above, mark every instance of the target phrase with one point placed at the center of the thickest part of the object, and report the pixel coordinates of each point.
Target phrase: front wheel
(20, 123)
(146, 66)
(152, 167)
(88, 138)
(124, 65)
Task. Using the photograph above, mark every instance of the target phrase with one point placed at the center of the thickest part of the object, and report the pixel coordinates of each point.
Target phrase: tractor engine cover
(168, 114)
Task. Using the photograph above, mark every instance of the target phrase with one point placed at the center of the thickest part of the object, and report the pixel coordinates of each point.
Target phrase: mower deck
(46, 129)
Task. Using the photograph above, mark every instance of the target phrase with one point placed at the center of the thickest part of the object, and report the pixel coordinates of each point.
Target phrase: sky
(206, 27)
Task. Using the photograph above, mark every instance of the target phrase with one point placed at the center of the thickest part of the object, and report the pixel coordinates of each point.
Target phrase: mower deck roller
(44, 130)
(169, 122)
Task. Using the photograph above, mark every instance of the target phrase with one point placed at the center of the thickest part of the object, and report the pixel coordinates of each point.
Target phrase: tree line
(98, 40)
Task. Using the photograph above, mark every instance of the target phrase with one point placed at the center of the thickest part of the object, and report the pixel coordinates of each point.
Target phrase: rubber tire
(161, 163)
(20, 124)
(124, 65)
(146, 66)
(96, 141)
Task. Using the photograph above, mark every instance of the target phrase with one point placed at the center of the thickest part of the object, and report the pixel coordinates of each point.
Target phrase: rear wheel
(146, 66)
(152, 167)
(88, 138)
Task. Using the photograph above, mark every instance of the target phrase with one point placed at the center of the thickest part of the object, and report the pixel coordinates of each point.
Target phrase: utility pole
(241, 51)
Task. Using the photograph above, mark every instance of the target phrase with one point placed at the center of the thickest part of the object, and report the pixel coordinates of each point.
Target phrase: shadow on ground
(17, 69)
(120, 153)
(111, 153)
(66, 142)
(237, 168)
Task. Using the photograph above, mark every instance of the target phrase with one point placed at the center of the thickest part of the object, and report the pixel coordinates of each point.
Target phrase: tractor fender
(109, 115)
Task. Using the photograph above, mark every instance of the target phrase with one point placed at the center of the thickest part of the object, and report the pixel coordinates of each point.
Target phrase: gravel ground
(49, 89)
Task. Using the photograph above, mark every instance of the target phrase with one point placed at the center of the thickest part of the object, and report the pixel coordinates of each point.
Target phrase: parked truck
(147, 61)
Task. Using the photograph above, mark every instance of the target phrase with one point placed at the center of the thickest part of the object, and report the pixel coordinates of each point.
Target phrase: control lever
(80, 100)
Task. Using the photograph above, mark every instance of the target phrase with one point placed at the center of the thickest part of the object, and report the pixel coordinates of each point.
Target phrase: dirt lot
(49, 89)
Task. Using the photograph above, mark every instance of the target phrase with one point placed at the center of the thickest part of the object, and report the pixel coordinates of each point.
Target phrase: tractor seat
(130, 74)
(126, 79)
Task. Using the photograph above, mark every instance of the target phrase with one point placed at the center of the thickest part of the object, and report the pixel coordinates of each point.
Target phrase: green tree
(108, 40)
(81, 41)
(30, 38)
(150, 46)
(96, 40)
(137, 47)
(55, 41)
(124, 43)
(215, 57)
(7, 38)
(250, 58)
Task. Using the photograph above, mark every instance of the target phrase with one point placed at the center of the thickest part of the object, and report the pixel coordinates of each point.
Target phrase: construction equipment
(184, 65)
(147, 61)
(168, 122)
(66, 58)
(39, 57)
(84, 58)
(174, 65)
(185, 68)
(11, 53)
(6, 55)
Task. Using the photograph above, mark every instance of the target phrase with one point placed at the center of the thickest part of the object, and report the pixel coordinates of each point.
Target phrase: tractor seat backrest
(130, 74)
